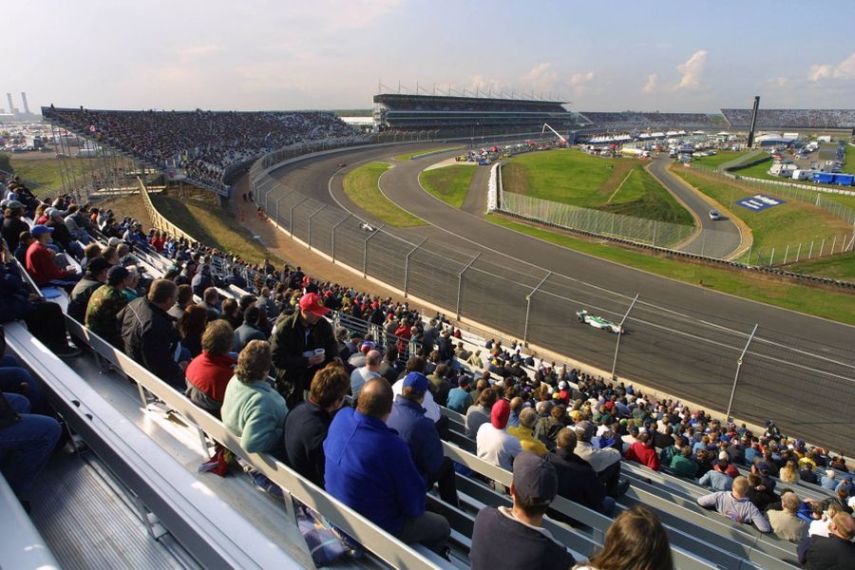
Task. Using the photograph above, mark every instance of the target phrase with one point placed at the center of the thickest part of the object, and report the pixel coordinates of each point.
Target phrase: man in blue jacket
(408, 419)
(370, 469)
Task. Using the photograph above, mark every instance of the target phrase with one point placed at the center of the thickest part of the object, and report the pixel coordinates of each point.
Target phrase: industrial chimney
(11, 106)
(24, 102)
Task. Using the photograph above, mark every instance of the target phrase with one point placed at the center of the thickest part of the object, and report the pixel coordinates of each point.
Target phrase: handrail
(382, 544)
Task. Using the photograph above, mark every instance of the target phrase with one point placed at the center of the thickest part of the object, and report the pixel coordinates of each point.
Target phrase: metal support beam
(620, 334)
(291, 216)
(738, 369)
(460, 281)
(407, 266)
(365, 251)
(334, 228)
(312, 215)
(528, 305)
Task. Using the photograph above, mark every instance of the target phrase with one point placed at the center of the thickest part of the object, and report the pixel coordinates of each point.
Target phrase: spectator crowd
(205, 144)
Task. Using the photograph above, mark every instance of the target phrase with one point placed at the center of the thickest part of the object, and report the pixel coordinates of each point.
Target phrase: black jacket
(150, 338)
(290, 339)
(80, 298)
(826, 553)
(501, 542)
(577, 480)
(305, 431)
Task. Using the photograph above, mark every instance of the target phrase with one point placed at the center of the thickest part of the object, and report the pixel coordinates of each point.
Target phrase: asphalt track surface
(719, 238)
(681, 339)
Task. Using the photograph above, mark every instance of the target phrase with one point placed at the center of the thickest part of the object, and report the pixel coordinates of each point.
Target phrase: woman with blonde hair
(636, 540)
(789, 473)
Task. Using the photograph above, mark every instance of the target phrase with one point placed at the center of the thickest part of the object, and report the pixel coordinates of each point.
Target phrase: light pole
(620, 334)
(738, 369)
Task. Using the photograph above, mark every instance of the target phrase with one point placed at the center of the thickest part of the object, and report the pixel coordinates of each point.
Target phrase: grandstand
(469, 116)
(633, 120)
(826, 120)
(146, 440)
(204, 147)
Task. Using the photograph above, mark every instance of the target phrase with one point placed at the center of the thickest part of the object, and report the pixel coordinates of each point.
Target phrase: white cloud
(651, 84)
(541, 77)
(579, 79)
(843, 70)
(818, 72)
(690, 76)
(691, 71)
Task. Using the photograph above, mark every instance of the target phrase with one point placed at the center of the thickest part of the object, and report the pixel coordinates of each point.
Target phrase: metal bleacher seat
(21, 545)
(215, 534)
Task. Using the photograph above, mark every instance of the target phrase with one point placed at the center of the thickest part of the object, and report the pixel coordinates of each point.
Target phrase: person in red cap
(302, 344)
(494, 444)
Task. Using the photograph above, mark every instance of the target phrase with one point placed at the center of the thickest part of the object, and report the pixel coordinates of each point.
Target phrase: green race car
(598, 322)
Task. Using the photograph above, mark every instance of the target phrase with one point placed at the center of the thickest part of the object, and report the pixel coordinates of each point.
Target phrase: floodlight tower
(753, 121)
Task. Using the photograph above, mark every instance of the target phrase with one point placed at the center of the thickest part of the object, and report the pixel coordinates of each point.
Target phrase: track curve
(719, 238)
(683, 339)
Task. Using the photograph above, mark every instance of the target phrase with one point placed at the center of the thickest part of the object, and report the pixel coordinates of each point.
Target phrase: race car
(342, 164)
(599, 322)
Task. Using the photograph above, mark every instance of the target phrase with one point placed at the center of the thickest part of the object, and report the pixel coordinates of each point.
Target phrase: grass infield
(778, 227)
(619, 185)
(449, 183)
(44, 176)
(361, 185)
(211, 225)
(813, 301)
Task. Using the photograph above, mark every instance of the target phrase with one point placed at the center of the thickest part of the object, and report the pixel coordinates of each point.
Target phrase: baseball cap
(500, 413)
(40, 229)
(417, 381)
(116, 275)
(535, 478)
(97, 265)
(723, 456)
(14, 205)
(311, 303)
(114, 241)
(367, 346)
(562, 385)
(585, 430)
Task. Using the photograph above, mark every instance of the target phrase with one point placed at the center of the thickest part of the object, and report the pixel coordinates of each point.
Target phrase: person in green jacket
(252, 409)
(104, 306)
(682, 464)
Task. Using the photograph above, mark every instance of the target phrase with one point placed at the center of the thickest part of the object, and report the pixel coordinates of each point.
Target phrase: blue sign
(759, 202)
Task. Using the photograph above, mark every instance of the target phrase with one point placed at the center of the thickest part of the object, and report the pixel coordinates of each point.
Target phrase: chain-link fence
(640, 230)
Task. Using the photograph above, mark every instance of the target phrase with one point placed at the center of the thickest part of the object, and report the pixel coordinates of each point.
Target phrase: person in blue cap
(409, 420)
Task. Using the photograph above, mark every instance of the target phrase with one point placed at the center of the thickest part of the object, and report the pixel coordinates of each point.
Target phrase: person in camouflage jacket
(105, 304)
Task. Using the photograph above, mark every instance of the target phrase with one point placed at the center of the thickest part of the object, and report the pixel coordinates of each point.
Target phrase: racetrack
(682, 339)
(719, 238)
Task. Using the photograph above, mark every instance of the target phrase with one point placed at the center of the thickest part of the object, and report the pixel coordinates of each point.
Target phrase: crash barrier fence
(158, 220)
(493, 188)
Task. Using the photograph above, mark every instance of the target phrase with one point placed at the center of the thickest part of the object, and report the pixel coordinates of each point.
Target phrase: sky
(695, 56)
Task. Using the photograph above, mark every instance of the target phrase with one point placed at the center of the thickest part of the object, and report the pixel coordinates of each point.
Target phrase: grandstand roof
(405, 98)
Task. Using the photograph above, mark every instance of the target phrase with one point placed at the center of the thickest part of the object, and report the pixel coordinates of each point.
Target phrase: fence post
(833, 243)
(528, 306)
(738, 369)
(620, 334)
(810, 251)
(291, 216)
(460, 282)
(798, 252)
(312, 215)
(407, 266)
(822, 247)
(334, 228)
(365, 251)
(786, 253)
(772, 258)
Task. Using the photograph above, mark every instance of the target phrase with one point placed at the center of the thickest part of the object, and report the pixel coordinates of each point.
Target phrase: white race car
(599, 322)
